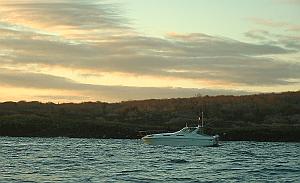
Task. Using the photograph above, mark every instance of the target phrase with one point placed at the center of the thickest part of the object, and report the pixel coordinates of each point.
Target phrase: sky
(119, 50)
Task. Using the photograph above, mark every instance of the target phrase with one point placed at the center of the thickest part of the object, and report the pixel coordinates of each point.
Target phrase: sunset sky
(116, 50)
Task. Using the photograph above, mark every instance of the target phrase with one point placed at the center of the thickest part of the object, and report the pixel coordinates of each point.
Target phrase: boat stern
(216, 140)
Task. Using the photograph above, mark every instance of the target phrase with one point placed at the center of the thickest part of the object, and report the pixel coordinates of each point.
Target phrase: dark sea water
(98, 160)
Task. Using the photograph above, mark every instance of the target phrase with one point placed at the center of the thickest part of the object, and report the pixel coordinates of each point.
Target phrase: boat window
(179, 135)
(166, 135)
(185, 130)
(188, 129)
(200, 131)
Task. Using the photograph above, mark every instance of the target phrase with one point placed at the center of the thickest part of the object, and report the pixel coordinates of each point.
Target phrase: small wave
(281, 170)
(181, 179)
(178, 161)
(198, 155)
(131, 171)
(242, 152)
(110, 155)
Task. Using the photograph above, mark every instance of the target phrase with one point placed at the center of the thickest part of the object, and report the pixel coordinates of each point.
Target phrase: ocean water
(110, 160)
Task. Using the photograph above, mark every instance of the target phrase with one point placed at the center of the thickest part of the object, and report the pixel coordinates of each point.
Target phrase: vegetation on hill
(262, 117)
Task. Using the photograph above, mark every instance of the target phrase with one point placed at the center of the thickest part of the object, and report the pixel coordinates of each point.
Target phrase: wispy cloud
(276, 24)
(267, 22)
(288, 41)
(73, 19)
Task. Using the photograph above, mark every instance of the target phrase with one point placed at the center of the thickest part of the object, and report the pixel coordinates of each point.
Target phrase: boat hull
(181, 141)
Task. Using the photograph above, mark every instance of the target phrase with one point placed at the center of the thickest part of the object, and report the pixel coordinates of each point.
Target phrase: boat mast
(202, 119)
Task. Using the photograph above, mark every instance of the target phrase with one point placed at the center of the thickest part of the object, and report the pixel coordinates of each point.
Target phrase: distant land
(260, 117)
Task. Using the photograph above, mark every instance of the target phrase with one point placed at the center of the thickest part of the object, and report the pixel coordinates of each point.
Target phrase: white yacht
(188, 136)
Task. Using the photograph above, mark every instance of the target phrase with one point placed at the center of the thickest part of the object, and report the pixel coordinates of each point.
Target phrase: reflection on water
(94, 160)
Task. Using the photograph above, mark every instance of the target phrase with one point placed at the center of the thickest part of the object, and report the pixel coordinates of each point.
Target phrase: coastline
(264, 117)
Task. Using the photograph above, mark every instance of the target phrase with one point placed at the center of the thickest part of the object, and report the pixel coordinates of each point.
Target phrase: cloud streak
(200, 56)
(21, 79)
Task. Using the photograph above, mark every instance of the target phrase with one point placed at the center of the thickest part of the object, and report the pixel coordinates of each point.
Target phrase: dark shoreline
(222, 140)
(263, 117)
(288, 135)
